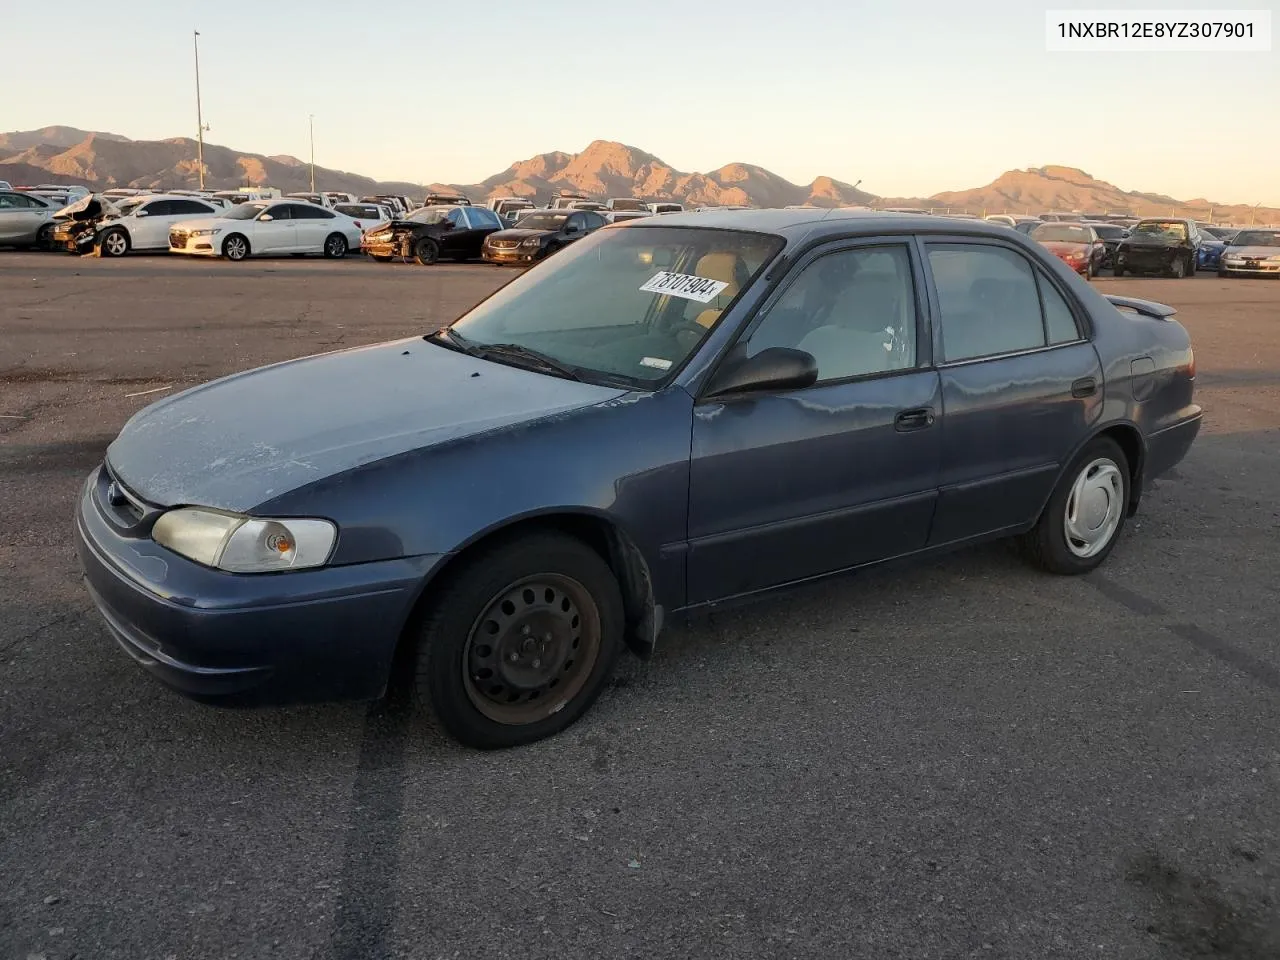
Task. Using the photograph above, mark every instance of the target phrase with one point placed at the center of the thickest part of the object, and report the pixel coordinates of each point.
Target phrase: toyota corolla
(668, 415)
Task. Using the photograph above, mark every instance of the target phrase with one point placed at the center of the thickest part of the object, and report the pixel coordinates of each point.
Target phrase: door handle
(917, 419)
(1084, 387)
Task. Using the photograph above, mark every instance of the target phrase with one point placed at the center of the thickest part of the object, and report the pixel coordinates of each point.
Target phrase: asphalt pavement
(964, 758)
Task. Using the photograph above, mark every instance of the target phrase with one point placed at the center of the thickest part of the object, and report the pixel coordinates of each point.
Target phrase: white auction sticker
(658, 363)
(685, 286)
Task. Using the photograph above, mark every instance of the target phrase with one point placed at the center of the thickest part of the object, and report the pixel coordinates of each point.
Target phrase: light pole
(195, 40)
(311, 118)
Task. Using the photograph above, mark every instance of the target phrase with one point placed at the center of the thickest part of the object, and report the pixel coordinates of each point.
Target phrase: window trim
(1084, 329)
(924, 343)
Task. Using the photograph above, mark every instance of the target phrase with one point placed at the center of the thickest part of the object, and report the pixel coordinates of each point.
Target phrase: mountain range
(604, 168)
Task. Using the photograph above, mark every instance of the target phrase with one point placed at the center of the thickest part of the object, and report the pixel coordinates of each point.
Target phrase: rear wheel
(519, 643)
(335, 246)
(114, 243)
(426, 252)
(1177, 268)
(1086, 513)
(235, 247)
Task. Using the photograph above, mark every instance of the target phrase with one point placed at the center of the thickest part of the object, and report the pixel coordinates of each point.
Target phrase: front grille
(505, 244)
(178, 238)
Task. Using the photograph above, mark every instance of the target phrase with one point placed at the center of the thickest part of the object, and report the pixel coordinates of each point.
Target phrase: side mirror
(142, 213)
(773, 368)
(265, 217)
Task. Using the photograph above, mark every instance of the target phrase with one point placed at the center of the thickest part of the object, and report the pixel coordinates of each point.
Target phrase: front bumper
(183, 242)
(1146, 262)
(1263, 268)
(492, 254)
(381, 248)
(314, 635)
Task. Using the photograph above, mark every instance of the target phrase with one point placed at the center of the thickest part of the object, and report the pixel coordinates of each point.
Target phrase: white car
(268, 228)
(142, 223)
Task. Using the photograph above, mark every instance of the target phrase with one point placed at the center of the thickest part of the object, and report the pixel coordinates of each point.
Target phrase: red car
(1077, 245)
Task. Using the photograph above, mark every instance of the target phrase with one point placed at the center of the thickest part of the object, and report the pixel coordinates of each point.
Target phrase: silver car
(1252, 253)
(25, 220)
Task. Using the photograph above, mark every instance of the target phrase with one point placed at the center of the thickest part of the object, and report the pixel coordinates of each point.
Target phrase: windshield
(629, 205)
(543, 221)
(588, 308)
(245, 211)
(1162, 229)
(431, 214)
(1061, 233)
(1257, 238)
(126, 207)
(1109, 232)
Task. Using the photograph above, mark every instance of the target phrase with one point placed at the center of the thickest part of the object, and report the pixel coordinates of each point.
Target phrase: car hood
(1152, 241)
(236, 442)
(520, 233)
(1253, 253)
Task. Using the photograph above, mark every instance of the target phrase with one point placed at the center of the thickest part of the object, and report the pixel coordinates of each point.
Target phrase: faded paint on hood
(236, 442)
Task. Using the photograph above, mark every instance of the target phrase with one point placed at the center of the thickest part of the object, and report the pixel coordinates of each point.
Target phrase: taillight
(1191, 363)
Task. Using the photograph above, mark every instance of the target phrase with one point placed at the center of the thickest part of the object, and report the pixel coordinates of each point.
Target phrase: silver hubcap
(335, 245)
(1094, 508)
(235, 249)
(115, 244)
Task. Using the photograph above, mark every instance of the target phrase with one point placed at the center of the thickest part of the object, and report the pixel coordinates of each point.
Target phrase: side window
(488, 218)
(11, 201)
(1058, 319)
(854, 310)
(159, 208)
(187, 207)
(280, 211)
(576, 223)
(594, 221)
(457, 218)
(988, 300)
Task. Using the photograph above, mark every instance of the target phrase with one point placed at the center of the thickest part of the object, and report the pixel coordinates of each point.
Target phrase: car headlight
(206, 232)
(240, 544)
(532, 242)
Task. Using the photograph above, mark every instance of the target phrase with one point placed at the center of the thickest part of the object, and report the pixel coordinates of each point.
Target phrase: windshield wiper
(450, 340)
(516, 351)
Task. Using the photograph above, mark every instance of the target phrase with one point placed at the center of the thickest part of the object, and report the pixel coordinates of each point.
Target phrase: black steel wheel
(426, 252)
(520, 641)
(44, 237)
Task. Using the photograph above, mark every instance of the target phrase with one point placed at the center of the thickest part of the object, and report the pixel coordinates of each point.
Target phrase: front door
(277, 235)
(1021, 385)
(795, 484)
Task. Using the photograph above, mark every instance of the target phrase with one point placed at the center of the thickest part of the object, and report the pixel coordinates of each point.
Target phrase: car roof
(793, 224)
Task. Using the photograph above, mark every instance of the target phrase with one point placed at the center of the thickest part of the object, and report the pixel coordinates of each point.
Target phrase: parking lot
(965, 758)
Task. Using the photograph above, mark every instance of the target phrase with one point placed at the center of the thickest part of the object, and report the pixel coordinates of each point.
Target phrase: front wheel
(426, 252)
(44, 238)
(235, 247)
(1086, 513)
(1192, 266)
(1177, 268)
(114, 243)
(335, 246)
(1117, 270)
(518, 643)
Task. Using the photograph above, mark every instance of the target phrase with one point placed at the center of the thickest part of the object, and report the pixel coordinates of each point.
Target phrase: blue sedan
(673, 413)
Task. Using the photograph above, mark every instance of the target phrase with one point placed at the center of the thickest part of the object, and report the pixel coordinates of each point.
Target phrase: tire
(1062, 541)
(44, 237)
(1192, 266)
(1222, 274)
(114, 243)
(548, 582)
(426, 252)
(335, 246)
(236, 247)
(1177, 268)
(1117, 271)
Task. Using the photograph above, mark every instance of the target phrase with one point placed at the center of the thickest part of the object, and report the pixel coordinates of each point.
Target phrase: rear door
(313, 226)
(1021, 384)
(20, 217)
(482, 222)
(149, 225)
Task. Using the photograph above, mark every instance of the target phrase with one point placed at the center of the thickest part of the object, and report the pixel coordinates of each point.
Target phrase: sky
(910, 98)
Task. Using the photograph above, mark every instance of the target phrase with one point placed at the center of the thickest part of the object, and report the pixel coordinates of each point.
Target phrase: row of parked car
(1164, 246)
(510, 230)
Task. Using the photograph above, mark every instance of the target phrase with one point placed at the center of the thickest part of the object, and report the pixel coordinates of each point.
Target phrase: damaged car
(1167, 247)
(431, 233)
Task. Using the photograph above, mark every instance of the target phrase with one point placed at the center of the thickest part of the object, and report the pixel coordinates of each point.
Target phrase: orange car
(1077, 245)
